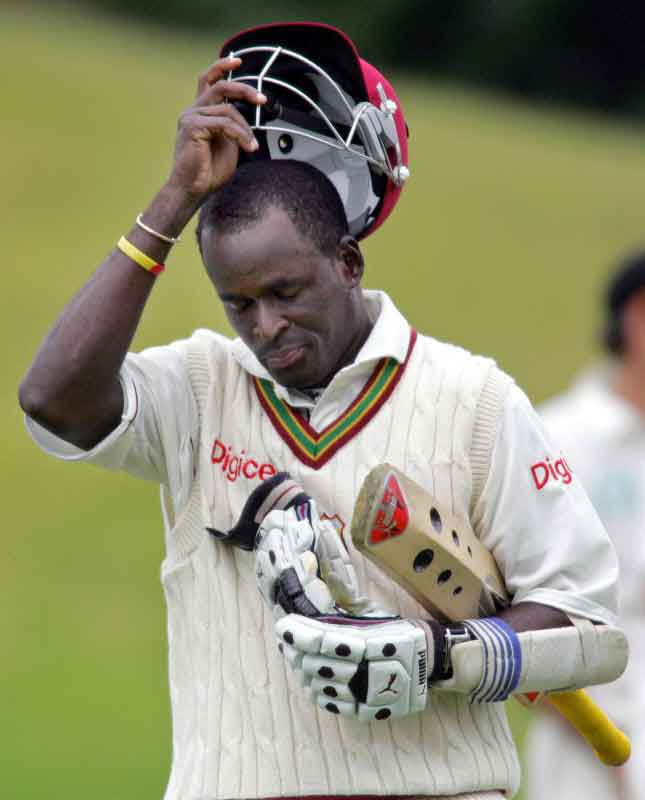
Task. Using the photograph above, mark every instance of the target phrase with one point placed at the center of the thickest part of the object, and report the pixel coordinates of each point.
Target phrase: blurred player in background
(325, 381)
(600, 423)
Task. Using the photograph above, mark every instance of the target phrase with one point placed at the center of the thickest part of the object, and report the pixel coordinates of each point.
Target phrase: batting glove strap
(279, 492)
(438, 657)
(502, 657)
(291, 595)
(361, 668)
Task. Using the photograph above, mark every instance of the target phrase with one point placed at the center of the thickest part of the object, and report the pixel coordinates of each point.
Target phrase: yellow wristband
(139, 257)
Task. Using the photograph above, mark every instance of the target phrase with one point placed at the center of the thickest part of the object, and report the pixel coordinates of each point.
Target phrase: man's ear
(350, 258)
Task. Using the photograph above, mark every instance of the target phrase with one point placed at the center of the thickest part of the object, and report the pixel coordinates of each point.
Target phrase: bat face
(433, 554)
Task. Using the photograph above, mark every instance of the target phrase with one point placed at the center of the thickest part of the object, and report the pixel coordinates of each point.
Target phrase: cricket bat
(437, 558)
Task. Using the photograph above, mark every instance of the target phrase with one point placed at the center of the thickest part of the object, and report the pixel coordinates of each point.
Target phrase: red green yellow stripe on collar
(315, 448)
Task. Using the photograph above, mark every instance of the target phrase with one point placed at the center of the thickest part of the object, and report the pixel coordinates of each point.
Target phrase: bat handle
(610, 744)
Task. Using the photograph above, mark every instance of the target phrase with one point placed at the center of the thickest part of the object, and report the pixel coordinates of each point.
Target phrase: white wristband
(156, 234)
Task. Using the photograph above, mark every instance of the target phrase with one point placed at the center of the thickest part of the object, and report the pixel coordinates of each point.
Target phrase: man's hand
(301, 562)
(363, 668)
(358, 660)
(302, 565)
(211, 132)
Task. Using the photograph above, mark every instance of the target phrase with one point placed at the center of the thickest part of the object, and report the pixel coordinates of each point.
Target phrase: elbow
(76, 417)
(37, 402)
(50, 412)
(32, 400)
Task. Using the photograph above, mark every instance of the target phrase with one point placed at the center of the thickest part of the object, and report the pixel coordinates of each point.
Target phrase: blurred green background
(502, 242)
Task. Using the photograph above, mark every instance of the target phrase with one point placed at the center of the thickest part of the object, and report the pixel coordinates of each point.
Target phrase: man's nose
(269, 322)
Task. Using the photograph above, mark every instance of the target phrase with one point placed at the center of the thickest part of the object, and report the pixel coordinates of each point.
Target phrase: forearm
(72, 387)
(533, 617)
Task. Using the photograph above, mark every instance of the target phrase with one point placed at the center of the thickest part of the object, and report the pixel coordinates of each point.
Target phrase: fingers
(216, 71)
(291, 596)
(212, 89)
(214, 114)
(286, 571)
(337, 569)
(206, 123)
(309, 598)
(330, 669)
(229, 90)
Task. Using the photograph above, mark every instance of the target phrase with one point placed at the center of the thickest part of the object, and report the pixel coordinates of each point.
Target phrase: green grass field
(501, 243)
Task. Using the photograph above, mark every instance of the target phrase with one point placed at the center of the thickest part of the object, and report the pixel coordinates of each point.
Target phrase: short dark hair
(307, 196)
(628, 279)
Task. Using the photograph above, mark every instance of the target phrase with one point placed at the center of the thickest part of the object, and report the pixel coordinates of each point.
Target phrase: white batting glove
(301, 564)
(362, 668)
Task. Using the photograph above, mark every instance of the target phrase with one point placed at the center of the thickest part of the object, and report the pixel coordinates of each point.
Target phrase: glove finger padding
(286, 566)
(337, 570)
(365, 669)
(302, 565)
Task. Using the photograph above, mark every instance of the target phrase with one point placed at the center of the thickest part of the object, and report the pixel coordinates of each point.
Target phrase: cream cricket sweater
(242, 727)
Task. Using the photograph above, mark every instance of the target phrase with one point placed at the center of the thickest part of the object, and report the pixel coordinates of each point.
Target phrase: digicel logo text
(234, 465)
(544, 471)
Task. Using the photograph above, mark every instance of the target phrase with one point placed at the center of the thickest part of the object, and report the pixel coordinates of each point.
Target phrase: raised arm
(72, 386)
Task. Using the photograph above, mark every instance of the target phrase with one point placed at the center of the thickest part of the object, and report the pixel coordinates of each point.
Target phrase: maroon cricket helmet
(329, 107)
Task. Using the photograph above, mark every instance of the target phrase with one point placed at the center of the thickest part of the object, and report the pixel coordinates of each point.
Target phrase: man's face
(633, 323)
(289, 303)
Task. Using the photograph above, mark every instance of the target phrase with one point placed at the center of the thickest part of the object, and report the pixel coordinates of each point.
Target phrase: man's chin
(292, 378)
(299, 376)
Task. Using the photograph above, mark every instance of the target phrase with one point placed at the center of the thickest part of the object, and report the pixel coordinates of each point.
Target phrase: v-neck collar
(315, 448)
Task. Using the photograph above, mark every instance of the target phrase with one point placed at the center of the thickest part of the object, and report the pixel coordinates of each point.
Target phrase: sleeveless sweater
(242, 727)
